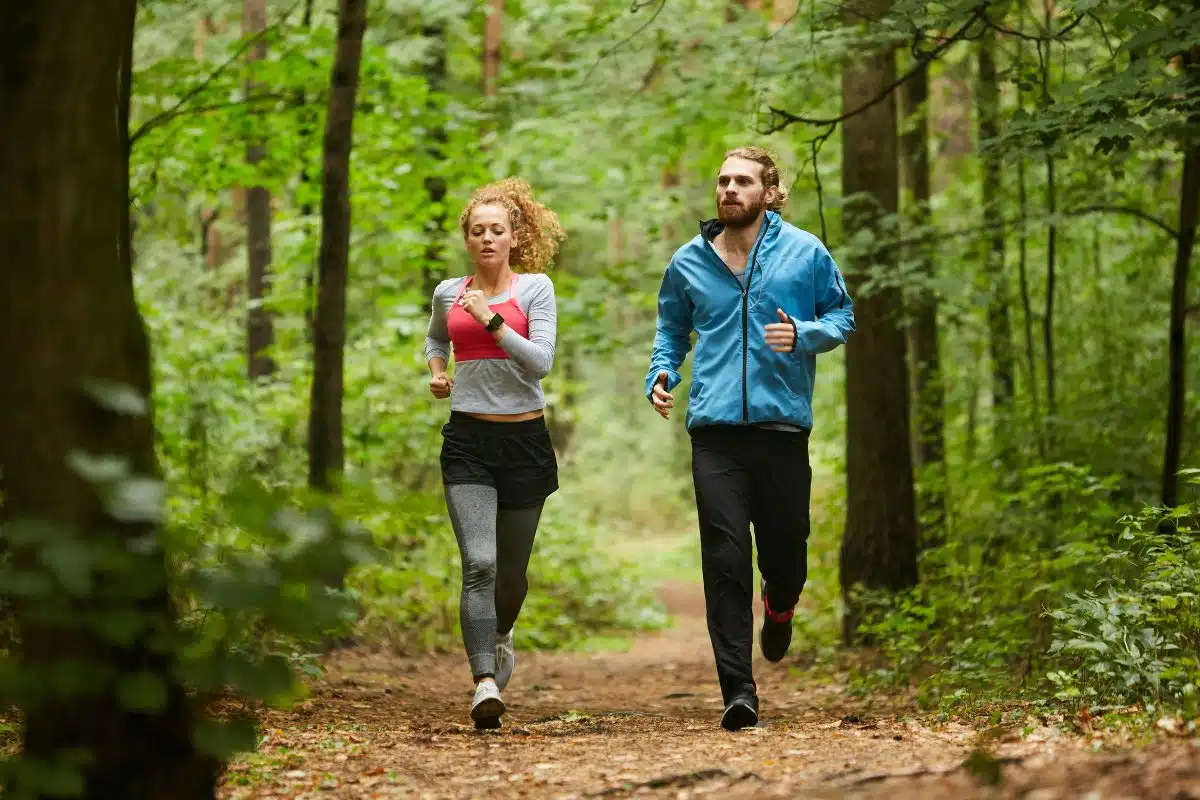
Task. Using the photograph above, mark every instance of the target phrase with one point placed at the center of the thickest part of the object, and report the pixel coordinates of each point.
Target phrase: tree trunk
(929, 391)
(951, 100)
(435, 181)
(1048, 314)
(971, 437)
(782, 12)
(879, 549)
(668, 183)
(326, 453)
(70, 334)
(999, 325)
(492, 32)
(307, 129)
(1051, 235)
(562, 418)
(213, 249)
(1189, 211)
(614, 250)
(260, 332)
(1023, 276)
(731, 8)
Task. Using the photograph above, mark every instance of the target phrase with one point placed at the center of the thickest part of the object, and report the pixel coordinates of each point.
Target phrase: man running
(763, 298)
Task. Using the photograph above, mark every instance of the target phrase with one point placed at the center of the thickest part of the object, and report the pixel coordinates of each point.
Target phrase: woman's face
(489, 236)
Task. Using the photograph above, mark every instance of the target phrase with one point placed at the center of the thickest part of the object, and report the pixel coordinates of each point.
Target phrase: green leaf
(120, 627)
(100, 470)
(116, 397)
(71, 563)
(142, 691)
(224, 739)
(138, 499)
(50, 779)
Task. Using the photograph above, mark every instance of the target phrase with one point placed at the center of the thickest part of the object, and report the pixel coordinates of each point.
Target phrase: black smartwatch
(494, 323)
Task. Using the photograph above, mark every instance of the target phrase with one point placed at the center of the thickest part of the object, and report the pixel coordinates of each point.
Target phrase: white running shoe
(487, 707)
(506, 659)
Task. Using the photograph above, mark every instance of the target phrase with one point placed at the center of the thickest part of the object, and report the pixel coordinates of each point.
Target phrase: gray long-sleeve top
(500, 386)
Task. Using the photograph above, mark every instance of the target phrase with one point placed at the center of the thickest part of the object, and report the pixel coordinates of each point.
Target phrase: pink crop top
(473, 341)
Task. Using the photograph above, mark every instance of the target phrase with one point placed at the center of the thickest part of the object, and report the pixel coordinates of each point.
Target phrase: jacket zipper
(745, 315)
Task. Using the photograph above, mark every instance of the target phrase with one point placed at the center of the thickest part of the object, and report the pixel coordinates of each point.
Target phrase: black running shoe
(742, 711)
(776, 634)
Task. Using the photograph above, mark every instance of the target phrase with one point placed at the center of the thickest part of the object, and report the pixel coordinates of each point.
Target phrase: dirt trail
(644, 723)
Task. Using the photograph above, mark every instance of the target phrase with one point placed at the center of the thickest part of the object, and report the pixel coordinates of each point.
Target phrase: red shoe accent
(777, 616)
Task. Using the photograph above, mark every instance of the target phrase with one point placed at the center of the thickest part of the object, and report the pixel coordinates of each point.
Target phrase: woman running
(498, 465)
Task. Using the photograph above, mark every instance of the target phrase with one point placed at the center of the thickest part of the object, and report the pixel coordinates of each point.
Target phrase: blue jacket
(736, 377)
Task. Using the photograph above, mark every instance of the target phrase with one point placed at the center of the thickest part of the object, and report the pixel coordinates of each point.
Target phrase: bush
(1046, 595)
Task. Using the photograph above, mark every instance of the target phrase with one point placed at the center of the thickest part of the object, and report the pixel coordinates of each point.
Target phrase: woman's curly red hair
(536, 229)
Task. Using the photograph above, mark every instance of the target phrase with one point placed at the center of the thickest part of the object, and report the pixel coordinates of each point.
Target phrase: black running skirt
(515, 458)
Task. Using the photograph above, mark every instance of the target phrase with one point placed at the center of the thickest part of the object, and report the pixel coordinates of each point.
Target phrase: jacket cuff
(673, 380)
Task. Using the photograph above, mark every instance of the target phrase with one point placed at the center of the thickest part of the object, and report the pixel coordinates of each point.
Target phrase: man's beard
(739, 216)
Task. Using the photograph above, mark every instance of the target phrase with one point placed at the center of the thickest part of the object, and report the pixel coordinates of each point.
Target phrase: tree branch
(931, 236)
(176, 110)
(924, 60)
(816, 152)
(1137, 213)
(1029, 37)
(633, 9)
(248, 101)
(1103, 32)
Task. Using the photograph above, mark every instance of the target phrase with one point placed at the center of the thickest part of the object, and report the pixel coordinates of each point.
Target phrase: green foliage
(619, 120)
(1133, 637)
(1055, 603)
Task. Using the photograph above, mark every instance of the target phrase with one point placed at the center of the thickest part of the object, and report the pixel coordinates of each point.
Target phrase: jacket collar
(711, 228)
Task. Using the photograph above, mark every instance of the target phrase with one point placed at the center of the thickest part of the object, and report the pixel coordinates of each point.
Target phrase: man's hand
(475, 304)
(440, 385)
(781, 336)
(663, 402)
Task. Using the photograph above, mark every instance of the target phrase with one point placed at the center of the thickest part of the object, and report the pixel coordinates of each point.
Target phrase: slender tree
(1031, 371)
(260, 329)
(434, 32)
(1189, 213)
(731, 8)
(996, 285)
(493, 28)
(1052, 232)
(308, 126)
(879, 548)
(76, 388)
(213, 248)
(928, 389)
(326, 449)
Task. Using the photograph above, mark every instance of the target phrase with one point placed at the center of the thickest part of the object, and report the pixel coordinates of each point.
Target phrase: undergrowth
(1054, 597)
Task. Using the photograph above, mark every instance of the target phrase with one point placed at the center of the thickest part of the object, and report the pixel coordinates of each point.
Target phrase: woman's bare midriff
(523, 417)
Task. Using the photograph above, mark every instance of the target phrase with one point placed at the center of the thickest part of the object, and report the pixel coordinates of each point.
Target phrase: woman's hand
(475, 304)
(440, 385)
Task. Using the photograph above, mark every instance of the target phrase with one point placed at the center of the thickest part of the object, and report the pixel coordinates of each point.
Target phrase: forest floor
(643, 722)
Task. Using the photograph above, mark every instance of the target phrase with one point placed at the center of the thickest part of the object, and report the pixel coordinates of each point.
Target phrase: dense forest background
(1004, 455)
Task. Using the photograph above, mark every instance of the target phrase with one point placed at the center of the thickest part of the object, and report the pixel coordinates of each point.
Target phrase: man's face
(741, 196)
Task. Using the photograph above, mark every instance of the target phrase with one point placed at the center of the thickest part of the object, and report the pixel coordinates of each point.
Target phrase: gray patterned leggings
(495, 544)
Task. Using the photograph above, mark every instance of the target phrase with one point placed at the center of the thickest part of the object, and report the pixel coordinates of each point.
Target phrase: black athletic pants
(746, 475)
